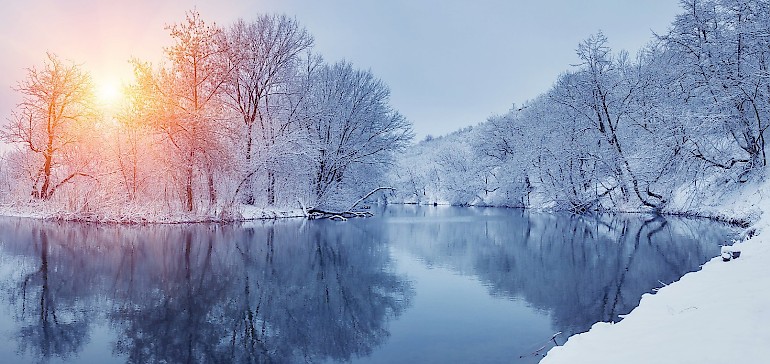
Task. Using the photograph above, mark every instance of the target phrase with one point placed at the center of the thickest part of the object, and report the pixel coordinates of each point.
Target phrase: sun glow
(108, 93)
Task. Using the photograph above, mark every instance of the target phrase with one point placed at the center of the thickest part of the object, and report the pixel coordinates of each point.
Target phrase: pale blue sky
(449, 64)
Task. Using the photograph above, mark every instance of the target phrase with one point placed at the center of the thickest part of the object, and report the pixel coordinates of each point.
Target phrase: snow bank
(720, 314)
(130, 214)
(256, 213)
(731, 202)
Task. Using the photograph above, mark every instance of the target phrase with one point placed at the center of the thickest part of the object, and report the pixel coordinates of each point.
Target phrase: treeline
(676, 124)
(246, 114)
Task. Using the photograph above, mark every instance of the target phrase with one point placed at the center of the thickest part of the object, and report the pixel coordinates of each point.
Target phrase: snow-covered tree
(191, 91)
(622, 132)
(265, 55)
(600, 91)
(50, 124)
(354, 131)
(720, 50)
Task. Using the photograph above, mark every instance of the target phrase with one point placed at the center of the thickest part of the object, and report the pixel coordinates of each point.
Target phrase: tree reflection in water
(296, 291)
(270, 292)
(580, 269)
(50, 322)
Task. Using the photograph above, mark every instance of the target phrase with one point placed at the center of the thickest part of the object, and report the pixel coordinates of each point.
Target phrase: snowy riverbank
(720, 314)
(139, 215)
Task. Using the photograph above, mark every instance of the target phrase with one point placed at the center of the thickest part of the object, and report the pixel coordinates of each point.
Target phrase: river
(414, 284)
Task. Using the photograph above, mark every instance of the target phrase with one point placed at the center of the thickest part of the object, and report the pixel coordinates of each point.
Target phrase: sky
(449, 64)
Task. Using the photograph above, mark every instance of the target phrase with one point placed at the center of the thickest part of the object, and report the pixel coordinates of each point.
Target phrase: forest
(248, 115)
(242, 115)
(668, 129)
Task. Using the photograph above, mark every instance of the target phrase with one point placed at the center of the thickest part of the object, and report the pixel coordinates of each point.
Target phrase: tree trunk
(212, 190)
(249, 198)
(44, 194)
(189, 190)
(270, 188)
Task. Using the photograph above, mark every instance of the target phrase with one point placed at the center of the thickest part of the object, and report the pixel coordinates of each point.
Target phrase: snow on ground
(257, 213)
(13, 210)
(137, 214)
(726, 202)
(720, 314)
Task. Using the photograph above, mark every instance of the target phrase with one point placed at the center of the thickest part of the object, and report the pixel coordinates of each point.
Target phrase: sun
(108, 93)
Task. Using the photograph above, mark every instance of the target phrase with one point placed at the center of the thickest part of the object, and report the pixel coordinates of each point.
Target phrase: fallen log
(314, 213)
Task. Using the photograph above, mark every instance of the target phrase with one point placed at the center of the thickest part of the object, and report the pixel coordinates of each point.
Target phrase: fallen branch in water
(367, 196)
(313, 213)
(544, 345)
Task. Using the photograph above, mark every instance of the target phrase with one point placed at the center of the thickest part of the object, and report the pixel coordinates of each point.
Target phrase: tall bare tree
(191, 90)
(721, 48)
(56, 109)
(601, 92)
(355, 131)
(265, 55)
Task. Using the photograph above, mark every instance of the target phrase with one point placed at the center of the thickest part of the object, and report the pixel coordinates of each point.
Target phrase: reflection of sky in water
(415, 284)
(452, 313)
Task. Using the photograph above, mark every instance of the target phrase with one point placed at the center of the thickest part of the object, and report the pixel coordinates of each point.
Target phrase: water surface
(413, 284)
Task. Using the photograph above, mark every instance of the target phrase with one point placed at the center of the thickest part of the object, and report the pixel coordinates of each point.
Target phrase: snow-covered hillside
(671, 128)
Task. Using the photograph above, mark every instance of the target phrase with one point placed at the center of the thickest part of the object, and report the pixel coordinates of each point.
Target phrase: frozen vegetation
(671, 129)
(238, 122)
(246, 121)
(678, 128)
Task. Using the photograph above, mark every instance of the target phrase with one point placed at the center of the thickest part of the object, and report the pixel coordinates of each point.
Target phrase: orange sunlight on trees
(239, 115)
(57, 106)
